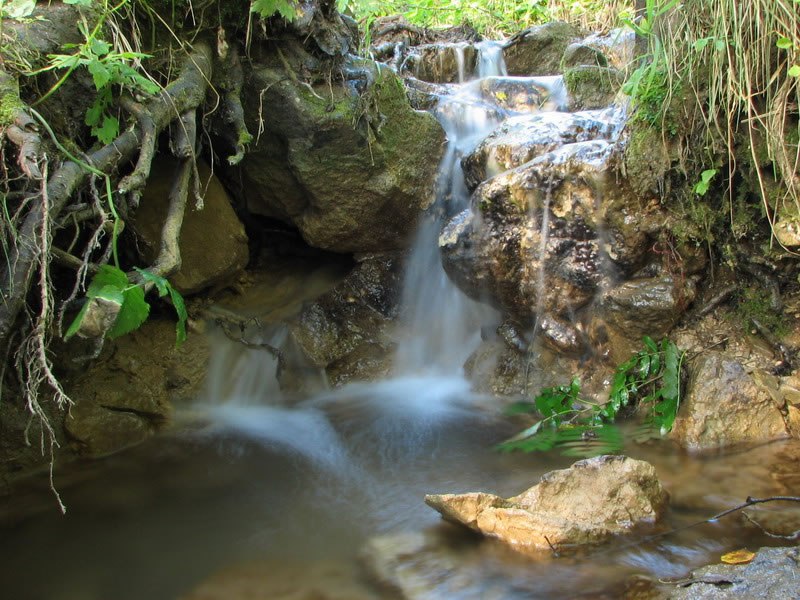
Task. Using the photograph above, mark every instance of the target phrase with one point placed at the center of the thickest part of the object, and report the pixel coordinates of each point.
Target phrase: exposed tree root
(186, 93)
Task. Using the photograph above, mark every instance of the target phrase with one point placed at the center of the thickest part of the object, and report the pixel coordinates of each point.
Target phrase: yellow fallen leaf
(501, 96)
(738, 557)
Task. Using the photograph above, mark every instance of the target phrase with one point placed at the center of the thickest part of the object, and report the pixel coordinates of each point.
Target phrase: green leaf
(784, 43)
(162, 285)
(132, 314)
(100, 74)
(183, 316)
(700, 44)
(17, 9)
(794, 71)
(99, 47)
(268, 8)
(76, 323)
(107, 275)
(701, 187)
(108, 131)
(79, 2)
(650, 344)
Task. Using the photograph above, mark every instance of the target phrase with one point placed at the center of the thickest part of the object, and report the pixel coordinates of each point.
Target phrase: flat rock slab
(774, 574)
(588, 503)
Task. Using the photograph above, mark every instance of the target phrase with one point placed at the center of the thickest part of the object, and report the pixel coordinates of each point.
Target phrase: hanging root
(134, 183)
(20, 128)
(229, 82)
(186, 93)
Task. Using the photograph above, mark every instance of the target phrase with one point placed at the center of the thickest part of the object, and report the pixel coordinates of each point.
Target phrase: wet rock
(725, 405)
(592, 86)
(618, 46)
(283, 580)
(772, 575)
(351, 166)
(530, 240)
(431, 564)
(639, 307)
(127, 394)
(588, 503)
(523, 138)
(538, 50)
(581, 54)
(213, 244)
(522, 94)
(442, 63)
(346, 331)
(101, 431)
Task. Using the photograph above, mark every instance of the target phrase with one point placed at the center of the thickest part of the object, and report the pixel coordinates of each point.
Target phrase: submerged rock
(774, 574)
(351, 166)
(538, 50)
(725, 405)
(588, 503)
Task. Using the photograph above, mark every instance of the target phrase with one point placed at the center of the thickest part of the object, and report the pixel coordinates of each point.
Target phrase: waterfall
(441, 326)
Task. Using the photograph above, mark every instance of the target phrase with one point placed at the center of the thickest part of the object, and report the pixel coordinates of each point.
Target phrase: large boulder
(213, 243)
(351, 165)
(725, 405)
(539, 50)
(588, 503)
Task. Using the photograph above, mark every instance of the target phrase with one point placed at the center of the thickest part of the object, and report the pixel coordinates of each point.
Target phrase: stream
(251, 494)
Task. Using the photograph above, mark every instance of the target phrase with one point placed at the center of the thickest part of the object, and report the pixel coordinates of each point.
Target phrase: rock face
(725, 405)
(587, 503)
(351, 166)
(592, 86)
(539, 50)
(772, 575)
(346, 331)
(213, 243)
(443, 63)
(126, 395)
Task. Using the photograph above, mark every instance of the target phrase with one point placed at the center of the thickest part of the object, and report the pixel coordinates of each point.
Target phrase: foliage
(650, 377)
(753, 303)
(489, 17)
(701, 187)
(741, 62)
(268, 8)
(109, 69)
(112, 285)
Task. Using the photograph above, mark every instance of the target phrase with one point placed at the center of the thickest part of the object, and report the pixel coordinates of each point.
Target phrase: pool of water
(263, 501)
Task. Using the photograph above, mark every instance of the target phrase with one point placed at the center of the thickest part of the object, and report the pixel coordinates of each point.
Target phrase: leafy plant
(109, 69)
(650, 377)
(701, 187)
(268, 8)
(112, 285)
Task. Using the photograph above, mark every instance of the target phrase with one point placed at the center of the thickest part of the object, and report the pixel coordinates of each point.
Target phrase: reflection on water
(262, 494)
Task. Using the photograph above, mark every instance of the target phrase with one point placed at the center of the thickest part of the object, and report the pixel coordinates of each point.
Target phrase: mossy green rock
(539, 50)
(351, 165)
(591, 86)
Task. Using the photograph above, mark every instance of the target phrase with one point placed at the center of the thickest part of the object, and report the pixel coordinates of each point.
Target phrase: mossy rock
(352, 165)
(591, 87)
(539, 50)
(579, 54)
